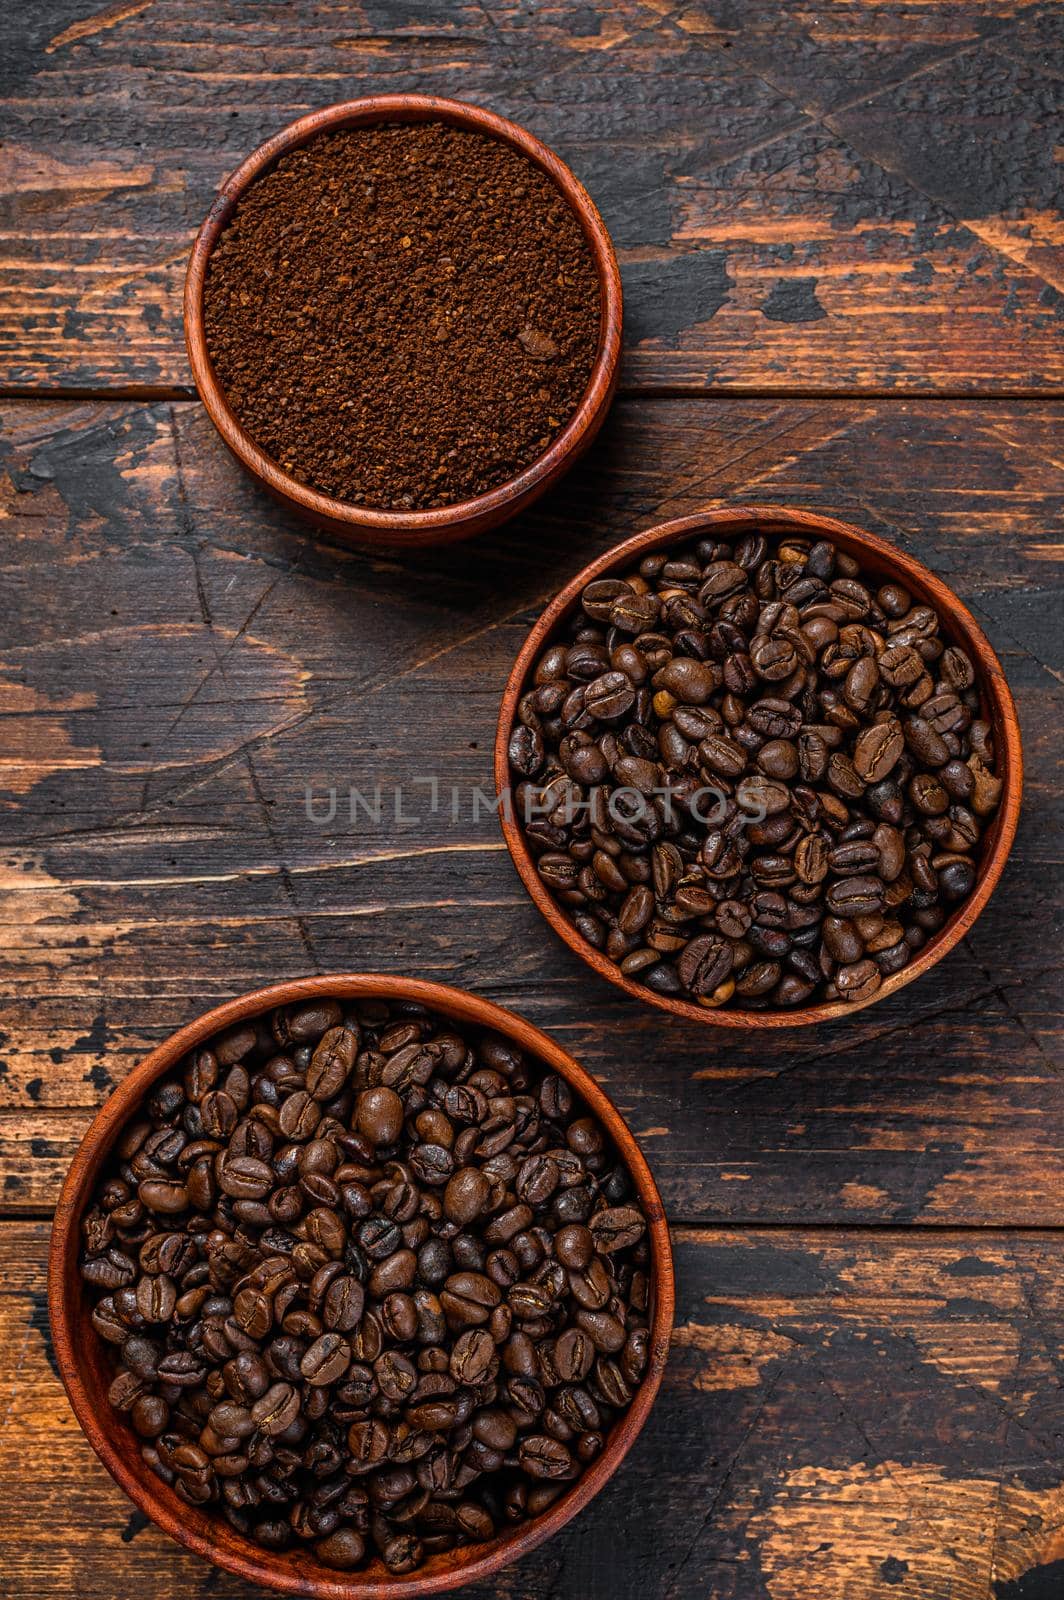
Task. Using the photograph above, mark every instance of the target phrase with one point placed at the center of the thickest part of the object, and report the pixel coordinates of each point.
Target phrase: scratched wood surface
(845, 1415)
(839, 225)
(820, 196)
(181, 663)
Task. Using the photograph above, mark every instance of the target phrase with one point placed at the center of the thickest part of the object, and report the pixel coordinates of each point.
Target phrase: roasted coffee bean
(379, 1116)
(344, 1549)
(331, 1063)
(574, 1245)
(471, 1357)
(878, 750)
(277, 1409)
(956, 880)
(466, 1196)
(469, 1298)
(245, 1177)
(526, 751)
(617, 1228)
(542, 1457)
(704, 964)
(343, 1304)
(327, 1359)
(773, 723)
(163, 1196)
(688, 681)
(396, 1375)
(573, 1355)
(859, 981)
(855, 896)
(609, 697)
(156, 1298)
(387, 1284)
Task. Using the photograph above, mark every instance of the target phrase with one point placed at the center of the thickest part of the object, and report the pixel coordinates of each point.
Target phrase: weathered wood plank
(844, 1414)
(830, 196)
(178, 661)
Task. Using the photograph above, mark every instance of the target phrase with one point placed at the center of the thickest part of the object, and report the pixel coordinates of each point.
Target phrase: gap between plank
(151, 394)
(13, 1215)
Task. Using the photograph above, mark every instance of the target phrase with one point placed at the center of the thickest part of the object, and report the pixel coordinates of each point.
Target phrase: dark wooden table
(840, 230)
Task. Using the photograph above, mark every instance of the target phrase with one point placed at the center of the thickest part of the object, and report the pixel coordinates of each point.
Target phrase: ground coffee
(403, 316)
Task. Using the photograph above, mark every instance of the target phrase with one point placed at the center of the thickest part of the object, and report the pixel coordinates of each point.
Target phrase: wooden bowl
(876, 556)
(83, 1360)
(364, 525)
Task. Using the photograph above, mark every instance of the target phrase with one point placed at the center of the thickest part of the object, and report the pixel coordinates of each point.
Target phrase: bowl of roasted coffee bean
(758, 767)
(360, 1286)
(403, 316)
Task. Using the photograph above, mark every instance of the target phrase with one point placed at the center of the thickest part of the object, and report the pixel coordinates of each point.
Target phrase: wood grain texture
(853, 1415)
(178, 662)
(839, 197)
(829, 197)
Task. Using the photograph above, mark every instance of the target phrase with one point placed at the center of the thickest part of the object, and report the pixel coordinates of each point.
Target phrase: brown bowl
(364, 525)
(83, 1363)
(876, 556)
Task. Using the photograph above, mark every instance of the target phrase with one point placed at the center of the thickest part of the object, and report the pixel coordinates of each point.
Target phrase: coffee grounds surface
(404, 315)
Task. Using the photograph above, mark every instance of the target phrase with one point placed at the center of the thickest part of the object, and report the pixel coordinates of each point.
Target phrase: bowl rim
(413, 527)
(958, 623)
(109, 1436)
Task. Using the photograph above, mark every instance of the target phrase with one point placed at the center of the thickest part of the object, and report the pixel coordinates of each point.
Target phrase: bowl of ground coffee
(360, 1285)
(403, 315)
(759, 766)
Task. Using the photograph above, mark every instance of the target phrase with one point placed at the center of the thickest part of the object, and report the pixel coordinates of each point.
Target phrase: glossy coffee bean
(765, 721)
(386, 1276)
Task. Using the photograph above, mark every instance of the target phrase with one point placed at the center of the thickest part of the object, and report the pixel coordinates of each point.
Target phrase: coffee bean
(163, 1196)
(807, 728)
(542, 1457)
(877, 750)
(610, 697)
(466, 1195)
(956, 880)
(471, 1356)
(344, 1549)
(332, 1061)
(722, 755)
(245, 1177)
(590, 1285)
(469, 1298)
(574, 1245)
(327, 1359)
(859, 981)
(704, 964)
(277, 1409)
(928, 795)
(850, 897)
(617, 1228)
(598, 597)
(689, 681)
(343, 1304)
(635, 613)
(305, 1024)
(384, 1286)
(396, 1375)
(778, 758)
(379, 1116)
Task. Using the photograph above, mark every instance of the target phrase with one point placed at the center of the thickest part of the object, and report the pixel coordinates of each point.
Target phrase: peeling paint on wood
(762, 143)
(220, 661)
(802, 1443)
